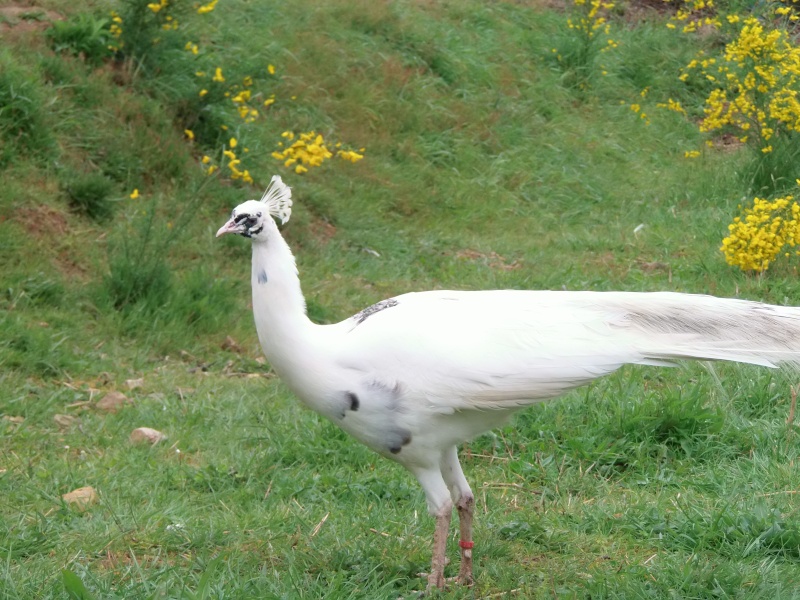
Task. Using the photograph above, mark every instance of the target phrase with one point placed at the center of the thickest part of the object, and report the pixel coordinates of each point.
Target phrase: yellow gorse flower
(207, 8)
(757, 81)
(767, 228)
(310, 150)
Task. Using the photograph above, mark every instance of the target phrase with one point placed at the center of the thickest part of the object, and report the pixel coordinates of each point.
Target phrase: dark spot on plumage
(262, 276)
(375, 308)
(349, 401)
(403, 438)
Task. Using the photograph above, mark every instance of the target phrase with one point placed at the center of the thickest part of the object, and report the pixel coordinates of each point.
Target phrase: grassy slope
(649, 484)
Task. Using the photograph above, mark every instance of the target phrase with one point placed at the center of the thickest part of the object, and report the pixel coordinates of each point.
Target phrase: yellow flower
(155, 7)
(203, 93)
(134, 194)
(189, 133)
(232, 143)
(271, 69)
(218, 75)
(207, 8)
(205, 160)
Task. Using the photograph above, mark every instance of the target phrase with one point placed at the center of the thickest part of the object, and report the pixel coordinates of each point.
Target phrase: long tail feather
(708, 328)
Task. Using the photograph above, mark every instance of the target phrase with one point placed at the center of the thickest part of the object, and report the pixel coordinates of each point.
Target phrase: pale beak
(229, 227)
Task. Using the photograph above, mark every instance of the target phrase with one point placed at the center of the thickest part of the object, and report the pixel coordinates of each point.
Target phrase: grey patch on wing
(375, 308)
(677, 319)
(396, 439)
(262, 276)
(390, 394)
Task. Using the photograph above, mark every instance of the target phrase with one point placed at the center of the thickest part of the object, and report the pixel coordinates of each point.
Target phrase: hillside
(469, 149)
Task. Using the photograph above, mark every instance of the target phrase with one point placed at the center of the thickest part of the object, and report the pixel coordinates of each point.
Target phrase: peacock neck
(284, 330)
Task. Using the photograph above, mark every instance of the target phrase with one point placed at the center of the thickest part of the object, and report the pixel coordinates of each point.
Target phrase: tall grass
(483, 169)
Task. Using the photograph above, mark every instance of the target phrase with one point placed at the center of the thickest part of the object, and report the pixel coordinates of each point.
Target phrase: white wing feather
(502, 349)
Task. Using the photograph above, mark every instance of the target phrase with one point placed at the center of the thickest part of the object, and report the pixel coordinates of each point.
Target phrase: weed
(82, 35)
(138, 268)
(90, 194)
(23, 127)
(588, 37)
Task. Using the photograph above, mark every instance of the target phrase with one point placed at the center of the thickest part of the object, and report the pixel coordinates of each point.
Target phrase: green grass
(483, 169)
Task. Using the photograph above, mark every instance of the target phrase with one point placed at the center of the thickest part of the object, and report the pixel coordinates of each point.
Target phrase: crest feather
(278, 198)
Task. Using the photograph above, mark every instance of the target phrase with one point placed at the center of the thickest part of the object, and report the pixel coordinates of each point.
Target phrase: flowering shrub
(310, 150)
(756, 85)
(220, 106)
(768, 228)
(693, 14)
(590, 29)
(591, 18)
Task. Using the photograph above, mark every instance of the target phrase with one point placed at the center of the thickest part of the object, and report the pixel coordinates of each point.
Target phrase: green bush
(23, 128)
(82, 35)
(138, 271)
(90, 195)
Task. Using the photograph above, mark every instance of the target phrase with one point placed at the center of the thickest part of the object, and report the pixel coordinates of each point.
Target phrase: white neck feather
(289, 339)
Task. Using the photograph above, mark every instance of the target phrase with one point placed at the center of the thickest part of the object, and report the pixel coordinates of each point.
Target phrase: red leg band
(466, 545)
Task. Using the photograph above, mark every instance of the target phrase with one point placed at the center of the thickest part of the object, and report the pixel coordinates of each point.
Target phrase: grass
(483, 169)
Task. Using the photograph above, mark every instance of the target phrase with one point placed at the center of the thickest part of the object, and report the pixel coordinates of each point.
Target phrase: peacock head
(253, 219)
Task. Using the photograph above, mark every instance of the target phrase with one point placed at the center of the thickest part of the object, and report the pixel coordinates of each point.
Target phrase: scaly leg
(464, 500)
(439, 559)
(440, 506)
(466, 505)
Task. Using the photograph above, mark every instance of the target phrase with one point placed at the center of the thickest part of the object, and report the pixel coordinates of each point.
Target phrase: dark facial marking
(354, 402)
(248, 221)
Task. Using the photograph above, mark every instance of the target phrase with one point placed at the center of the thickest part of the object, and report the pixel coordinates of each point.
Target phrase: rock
(64, 420)
(112, 402)
(132, 384)
(82, 498)
(148, 435)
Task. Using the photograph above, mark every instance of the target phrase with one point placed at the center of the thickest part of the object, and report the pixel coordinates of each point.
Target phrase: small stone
(64, 420)
(148, 435)
(132, 384)
(16, 420)
(82, 498)
(112, 402)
